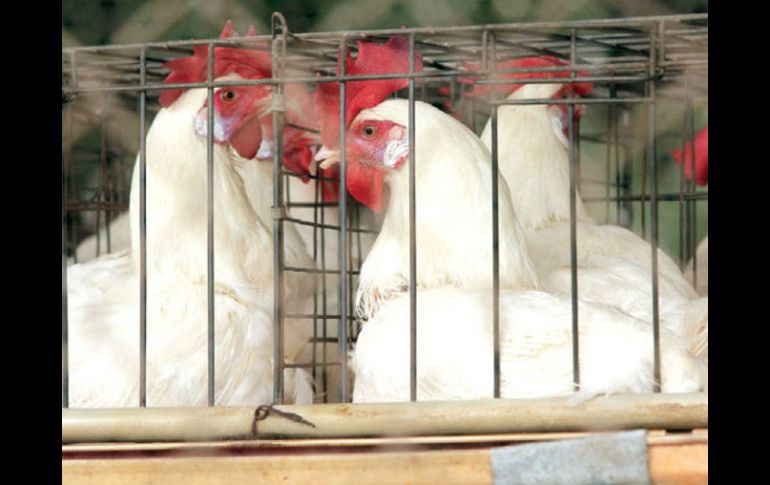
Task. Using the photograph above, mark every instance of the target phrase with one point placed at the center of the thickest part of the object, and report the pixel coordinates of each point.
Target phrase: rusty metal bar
(412, 234)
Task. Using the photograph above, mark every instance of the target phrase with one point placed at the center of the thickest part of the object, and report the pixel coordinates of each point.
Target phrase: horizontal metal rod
(75, 205)
(303, 128)
(329, 226)
(620, 411)
(309, 365)
(562, 80)
(315, 79)
(549, 101)
(253, 82)
(669, 197)
(308, 316)
(252, 42)
(309, 176)
(318, 271)
(333, 340)
(310, 205)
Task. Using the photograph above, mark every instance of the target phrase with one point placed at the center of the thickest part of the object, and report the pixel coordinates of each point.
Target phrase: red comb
(247, 63)
(701, 157)
(523, 63)
(389, 58)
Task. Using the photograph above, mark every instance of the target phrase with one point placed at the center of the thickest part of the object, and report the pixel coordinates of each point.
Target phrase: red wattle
(366, 185)
(247, 139)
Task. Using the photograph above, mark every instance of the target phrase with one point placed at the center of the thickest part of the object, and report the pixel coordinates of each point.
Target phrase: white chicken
(104, 293)
(299, 146)
(614, 264)
(454, 268)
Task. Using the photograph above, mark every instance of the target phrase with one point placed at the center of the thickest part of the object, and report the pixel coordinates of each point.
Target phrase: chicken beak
(327, 157)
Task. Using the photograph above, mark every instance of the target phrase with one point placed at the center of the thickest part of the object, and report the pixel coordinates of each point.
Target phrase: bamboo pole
(668, 463)
(654, 437)
(438, 418)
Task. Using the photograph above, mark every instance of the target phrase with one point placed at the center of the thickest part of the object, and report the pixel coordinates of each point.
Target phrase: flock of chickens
(453, 179)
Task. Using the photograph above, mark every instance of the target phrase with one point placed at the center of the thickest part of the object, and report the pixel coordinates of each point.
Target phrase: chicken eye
(369, 131)
(228, 95)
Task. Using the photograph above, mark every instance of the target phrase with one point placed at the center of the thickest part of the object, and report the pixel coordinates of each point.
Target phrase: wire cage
(650, 95)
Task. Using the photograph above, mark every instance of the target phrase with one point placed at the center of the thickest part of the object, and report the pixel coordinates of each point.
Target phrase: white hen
(103, 294)
(533, 159)
(454, 267)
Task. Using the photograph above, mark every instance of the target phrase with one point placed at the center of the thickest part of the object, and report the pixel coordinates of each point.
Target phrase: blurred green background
(128, 21)
(114, 21)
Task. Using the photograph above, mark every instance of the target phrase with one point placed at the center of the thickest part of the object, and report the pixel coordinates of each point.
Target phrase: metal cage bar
(687, 133)
(142, 235)
(324, 309)
(278, 55)
(653, 161)
(210, 282)
(573, 180)
(691, 185)
(412, 232)
(490, 42)
(64, 306)
(342, 260)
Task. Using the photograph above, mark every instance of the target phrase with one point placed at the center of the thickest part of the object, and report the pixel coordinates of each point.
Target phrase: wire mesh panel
(647, 97)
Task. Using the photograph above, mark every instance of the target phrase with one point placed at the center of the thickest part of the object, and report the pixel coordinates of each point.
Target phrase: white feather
(614, 264)
(454, 301)
(453, 185)
(455, 349)
(104, 293)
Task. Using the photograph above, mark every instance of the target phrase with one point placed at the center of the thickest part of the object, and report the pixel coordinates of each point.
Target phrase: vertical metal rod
(278, 104)
(412, 234)
(324, 309)
(103, 190)
(142, 232)
(359, 253)
(108, 215)
(317, 197)
(495, 228)
(573, 173)
(682, 178)
(64, 309)
(694, 253)
(615, 142)
(474, 118)
(210, 231)
(691, 186)
(645, 158)
(101, 194)
(352, 218)
(628, 169)
(72, 191)
(66, 154)
(343, 236)
(652, 153)
(608, 156)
